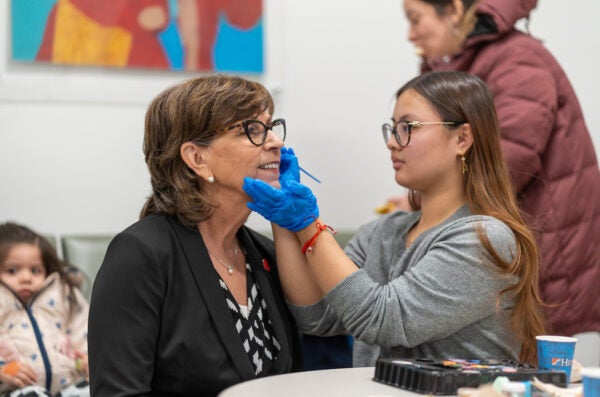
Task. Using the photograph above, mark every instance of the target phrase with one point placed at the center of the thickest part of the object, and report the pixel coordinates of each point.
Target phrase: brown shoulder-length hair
(12, 234)
(462, 97)
(192, 111)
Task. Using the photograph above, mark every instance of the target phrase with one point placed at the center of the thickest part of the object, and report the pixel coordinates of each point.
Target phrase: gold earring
(454, 28)
(464, 164)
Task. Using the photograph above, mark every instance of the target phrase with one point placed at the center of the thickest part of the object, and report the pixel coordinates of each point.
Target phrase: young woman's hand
(17, 373)
(288, 167)
(293, 207)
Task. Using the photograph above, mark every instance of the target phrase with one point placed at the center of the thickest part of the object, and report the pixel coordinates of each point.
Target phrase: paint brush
(309, 174)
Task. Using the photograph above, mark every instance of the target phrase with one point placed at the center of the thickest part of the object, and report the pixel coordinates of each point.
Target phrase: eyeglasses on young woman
(402, 130)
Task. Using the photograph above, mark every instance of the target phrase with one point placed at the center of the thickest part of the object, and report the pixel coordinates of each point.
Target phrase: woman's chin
(272, 181)
(400, 180)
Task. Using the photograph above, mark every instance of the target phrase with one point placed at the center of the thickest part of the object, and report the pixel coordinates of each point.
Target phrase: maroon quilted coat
(549, 153)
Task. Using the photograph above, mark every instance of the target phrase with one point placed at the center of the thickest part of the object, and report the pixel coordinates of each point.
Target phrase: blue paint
(238, 50)
(28, 24)
(171, 43)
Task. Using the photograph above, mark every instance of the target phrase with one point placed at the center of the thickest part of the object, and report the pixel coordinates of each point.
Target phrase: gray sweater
(435, 299)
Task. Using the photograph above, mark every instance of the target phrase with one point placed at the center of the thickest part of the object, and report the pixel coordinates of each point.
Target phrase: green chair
(343, 236)
(86, 253)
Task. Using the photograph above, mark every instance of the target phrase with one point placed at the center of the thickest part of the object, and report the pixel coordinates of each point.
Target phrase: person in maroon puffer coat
(545, 140)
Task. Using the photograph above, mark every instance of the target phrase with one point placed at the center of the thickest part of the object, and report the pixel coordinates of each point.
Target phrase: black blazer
(159, 324)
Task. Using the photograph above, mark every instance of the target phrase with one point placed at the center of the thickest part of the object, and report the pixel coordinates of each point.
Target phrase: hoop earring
(465, 169)
(211, 179)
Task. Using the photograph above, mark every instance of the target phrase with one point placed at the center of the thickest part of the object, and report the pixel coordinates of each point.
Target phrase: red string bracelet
(308, 246)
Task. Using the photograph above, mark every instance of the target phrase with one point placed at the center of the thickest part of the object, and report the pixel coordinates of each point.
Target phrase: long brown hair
(462, 97)
(192, 111)
(12, 234)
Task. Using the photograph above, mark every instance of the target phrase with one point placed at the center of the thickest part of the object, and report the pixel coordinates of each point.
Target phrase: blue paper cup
(591, 381)
(556, 352)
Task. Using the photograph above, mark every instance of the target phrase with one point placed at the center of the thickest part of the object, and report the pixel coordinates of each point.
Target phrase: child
(43, 315)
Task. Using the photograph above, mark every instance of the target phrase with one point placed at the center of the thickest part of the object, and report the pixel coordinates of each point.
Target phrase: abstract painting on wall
(191, 35)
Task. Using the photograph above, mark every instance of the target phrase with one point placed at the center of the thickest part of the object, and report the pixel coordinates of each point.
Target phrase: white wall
(70, 138)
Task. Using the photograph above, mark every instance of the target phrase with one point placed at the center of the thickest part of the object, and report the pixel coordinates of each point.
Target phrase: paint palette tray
(444, 377)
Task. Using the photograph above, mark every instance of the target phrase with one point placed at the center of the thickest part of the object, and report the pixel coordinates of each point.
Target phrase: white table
(347, 382)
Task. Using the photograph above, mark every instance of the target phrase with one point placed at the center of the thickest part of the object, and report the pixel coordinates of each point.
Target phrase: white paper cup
(556, 352)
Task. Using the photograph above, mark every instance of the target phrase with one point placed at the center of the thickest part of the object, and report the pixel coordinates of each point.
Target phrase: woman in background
(545, 141)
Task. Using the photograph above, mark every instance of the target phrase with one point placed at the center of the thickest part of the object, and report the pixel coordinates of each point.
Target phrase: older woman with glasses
(187, 300)
(456, 279)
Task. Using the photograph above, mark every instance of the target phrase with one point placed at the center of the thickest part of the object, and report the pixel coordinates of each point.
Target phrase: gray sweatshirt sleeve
(449, 283)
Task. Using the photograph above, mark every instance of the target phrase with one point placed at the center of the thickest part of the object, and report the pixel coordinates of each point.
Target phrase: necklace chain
(228, 267)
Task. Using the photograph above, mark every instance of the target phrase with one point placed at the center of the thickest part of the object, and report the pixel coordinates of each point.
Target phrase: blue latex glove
(288, 166)
(293, 207)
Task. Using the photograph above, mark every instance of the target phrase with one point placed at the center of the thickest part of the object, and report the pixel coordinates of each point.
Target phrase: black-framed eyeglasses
(402, 129)
(256, 130)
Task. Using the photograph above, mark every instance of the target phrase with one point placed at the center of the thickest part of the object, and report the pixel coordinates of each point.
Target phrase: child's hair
(12, 234)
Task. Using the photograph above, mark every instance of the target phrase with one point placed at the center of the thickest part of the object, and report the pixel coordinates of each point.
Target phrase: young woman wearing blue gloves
(456, 279)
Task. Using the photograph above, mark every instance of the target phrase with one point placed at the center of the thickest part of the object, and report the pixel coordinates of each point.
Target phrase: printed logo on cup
(561, 362)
